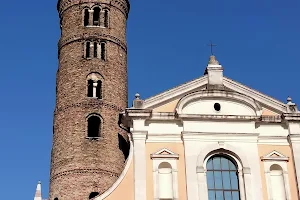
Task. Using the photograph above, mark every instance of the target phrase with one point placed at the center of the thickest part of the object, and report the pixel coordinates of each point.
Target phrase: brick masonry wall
(80, 166)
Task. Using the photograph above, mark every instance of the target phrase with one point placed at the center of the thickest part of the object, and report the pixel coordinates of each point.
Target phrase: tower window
(103, 51)
(96, 16)
(94, 127)
(93, 194)
(88, 50)
(95, 49)
(90, 88)
(106, 18)
(86, 17)
(99, 89)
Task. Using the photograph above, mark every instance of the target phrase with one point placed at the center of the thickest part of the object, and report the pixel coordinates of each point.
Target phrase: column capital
(139, 135)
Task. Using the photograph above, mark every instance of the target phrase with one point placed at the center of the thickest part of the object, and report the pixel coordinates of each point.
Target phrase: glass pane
(225, 164)
(231, 165)
(210, 180)
(211, 195)
(226, 180)
(227, 195)
(218, 179)
(234, 180)
(217, 163)
(219, 195)
(235, 196)
(209, 165)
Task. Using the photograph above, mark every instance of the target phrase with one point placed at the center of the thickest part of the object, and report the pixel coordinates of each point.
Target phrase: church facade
(209, 139)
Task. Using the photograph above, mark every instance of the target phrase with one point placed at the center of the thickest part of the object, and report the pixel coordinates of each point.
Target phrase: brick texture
(80, 166)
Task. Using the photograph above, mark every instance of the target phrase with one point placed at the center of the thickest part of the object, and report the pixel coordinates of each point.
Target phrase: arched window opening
(96, 16)
(277, 182)
(95, 49)
(90, 88)
(99, 89)
(86, 17)
(88, 50)
(165, 181)
(222, 178)
(106, 20)
(94, 127)
(103, 51)
(55, 198)
(93, 195)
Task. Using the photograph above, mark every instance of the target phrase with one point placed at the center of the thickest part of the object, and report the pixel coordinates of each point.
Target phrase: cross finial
(211, 47)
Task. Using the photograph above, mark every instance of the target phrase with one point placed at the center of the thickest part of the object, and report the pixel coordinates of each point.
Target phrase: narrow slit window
(88, 50)
(90, 88)
(99, 90)
(96, 16)
(86, 17)
(93, 195)
(106, 18)
(95, 49)
(103, 51)
(94, 127)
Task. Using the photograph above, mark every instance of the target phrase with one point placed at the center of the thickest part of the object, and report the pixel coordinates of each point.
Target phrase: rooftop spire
(213, 60)
(38, 192)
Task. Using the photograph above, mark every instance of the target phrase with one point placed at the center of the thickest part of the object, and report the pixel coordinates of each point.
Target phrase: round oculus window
(217, 107)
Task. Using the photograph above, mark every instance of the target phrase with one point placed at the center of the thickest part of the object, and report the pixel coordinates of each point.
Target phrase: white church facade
(210, 139)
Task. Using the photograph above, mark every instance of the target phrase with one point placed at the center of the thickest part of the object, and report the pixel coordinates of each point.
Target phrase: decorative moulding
(163, 154)
(275, 156)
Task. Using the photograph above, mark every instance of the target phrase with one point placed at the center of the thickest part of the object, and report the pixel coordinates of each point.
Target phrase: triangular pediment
(164, 153)
(167, 101)
(275, 156)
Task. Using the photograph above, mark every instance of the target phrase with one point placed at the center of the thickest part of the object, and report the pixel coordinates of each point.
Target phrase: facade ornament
(138, 102)
(291, 107)
(213, 60)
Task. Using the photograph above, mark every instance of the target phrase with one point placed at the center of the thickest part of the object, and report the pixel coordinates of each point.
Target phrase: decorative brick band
(96, 36)
(88, 104)
(63, 5)
(84, 171)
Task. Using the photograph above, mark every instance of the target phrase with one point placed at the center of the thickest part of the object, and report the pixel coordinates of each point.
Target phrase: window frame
(202, 169)
(229, 159)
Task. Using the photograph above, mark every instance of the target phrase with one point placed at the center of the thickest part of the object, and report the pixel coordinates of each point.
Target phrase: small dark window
(94, 127)
(96, 16)
(106, 18)
(95, 49)
(103, 51)
(217, 107)
(86, 17)
(93, 194)
(90, 88)
(99, 90)
(55, 198)
(88, 50)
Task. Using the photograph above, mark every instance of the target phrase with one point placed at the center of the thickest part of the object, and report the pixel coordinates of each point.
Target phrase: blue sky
(258, 45)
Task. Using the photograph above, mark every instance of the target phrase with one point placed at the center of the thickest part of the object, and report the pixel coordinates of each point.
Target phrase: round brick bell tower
(89, 148)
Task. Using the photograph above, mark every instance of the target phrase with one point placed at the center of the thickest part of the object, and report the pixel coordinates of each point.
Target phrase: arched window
(277, 182)
(93, 194)
(56, 198)
(106, 18)
(165, 181)
(86, 17)
(103, 51)
(94, 126)
(88, 50)
(99, 89)
(96, 16)
(95, 49)
(222, 178)
(90, 88)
